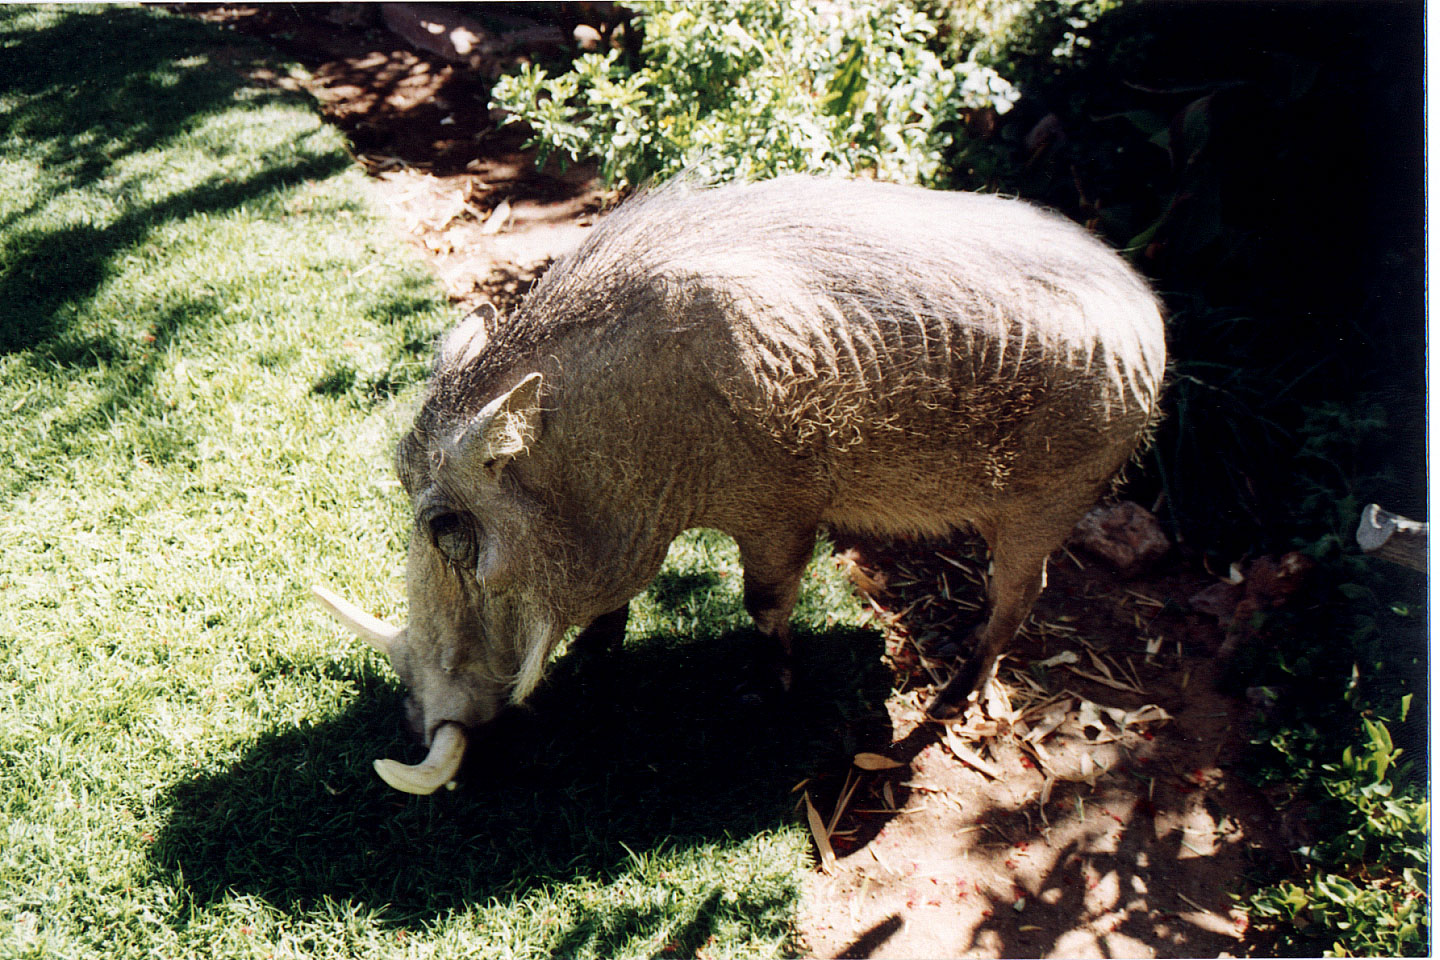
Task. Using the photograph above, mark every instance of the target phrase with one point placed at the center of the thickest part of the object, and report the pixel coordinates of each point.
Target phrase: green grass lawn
(208, 346)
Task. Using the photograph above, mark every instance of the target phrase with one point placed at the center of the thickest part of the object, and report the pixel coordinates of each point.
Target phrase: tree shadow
(1093, 870)
(144, 80)
(644, 750)
(874, 938)
(1162, 891)
(608, 931)
(95, 125)
(152, 82)
(398, 102)
(51, 269)
(678, 591)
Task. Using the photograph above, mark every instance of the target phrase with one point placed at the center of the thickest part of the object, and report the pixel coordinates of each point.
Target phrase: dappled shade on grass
(100, 134)
(208, 345)
(158, 208)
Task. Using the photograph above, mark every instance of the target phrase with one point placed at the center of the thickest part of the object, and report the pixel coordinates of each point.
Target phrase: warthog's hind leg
(1018, 577)
(774, 563)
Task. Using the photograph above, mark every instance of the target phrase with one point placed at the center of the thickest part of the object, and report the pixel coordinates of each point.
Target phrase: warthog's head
(478, 635)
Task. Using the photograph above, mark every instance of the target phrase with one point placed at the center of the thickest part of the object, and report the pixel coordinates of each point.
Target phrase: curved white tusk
(379, 633)
(435, 771)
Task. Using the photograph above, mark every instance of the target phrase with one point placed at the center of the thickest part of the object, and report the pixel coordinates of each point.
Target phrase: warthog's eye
(454, 536)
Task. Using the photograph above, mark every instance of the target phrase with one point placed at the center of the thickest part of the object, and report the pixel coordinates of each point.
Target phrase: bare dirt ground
(461, 188)
(1087, 809)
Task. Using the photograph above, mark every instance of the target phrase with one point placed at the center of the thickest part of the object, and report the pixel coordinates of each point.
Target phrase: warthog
(764, 359)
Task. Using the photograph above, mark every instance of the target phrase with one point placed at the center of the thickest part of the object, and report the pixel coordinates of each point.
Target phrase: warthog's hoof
(768, 680)
(943, 712)
(953, 698)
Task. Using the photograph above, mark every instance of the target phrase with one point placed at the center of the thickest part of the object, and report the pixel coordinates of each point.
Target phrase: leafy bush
(1345, 668)
(754, 88)
(1203, 142)
(1363, 890)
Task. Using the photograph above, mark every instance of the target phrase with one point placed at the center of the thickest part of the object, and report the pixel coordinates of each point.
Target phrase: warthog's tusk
(376, 631)
(435, 771)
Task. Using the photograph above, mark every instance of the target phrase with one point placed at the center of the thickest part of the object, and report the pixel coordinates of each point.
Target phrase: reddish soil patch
(1003, 839)
(1119, 831)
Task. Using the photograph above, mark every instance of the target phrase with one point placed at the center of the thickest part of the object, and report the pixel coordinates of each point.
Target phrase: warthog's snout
(447, 746)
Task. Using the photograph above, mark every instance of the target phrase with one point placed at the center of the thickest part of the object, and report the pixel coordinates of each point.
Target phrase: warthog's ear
(465, 342)
(505, 427)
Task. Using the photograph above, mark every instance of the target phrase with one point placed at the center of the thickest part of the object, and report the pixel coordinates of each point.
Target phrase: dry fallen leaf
(974, 729)
(1055, 715)
(1090, 716)
(497, 219)
(1096, 678)
(875, 761)
(966, 755)
(846, 792)
(822, 839)
(997, 701)
(1149, 713)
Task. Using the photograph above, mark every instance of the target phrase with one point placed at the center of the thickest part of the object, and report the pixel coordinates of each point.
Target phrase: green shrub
(1363, 888)
(1346, 669)
(755, 88)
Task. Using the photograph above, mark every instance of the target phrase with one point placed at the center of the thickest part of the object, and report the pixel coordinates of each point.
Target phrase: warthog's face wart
(452, 673)
(470, 565)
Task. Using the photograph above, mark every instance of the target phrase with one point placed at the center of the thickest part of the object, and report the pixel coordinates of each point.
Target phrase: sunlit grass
(208, 345)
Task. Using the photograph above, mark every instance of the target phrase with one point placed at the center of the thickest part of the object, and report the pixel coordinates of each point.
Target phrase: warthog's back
(856, 281)
(918, 356)
(918, 345)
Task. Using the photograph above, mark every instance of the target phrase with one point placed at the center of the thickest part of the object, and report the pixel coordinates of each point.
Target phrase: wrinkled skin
(466, 580)
(765, 360)
(449, 682)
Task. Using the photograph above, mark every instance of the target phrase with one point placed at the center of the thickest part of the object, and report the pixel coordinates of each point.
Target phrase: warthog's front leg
(774, 563)
(605, 634)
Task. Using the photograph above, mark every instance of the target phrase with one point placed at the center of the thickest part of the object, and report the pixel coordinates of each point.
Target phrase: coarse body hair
(845, 320)
(769, 358)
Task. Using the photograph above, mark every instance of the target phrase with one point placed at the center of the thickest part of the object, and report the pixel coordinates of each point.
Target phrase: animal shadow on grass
(637, 750)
